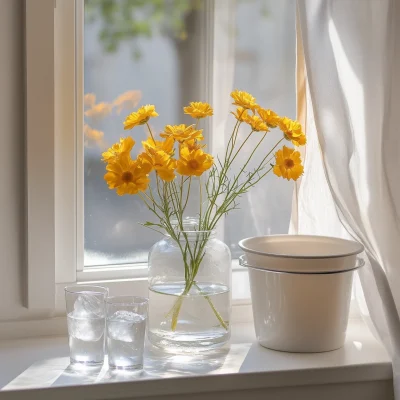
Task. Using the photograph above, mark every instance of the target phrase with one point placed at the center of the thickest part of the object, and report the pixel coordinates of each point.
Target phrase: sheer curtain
(349, 100)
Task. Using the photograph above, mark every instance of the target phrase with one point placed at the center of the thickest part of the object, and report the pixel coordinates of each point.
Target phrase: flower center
(193, 164)
(289, 163)
(127, 177)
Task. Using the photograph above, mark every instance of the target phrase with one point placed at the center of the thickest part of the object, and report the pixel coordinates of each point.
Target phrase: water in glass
(86, 330)
(125, 339)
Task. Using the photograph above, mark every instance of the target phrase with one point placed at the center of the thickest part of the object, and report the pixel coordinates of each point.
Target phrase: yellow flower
(161, 162)
(166, 145)
(271, 118)
(182, 133)
(240, 114)
(300, 141)
(140, 117)
(125, 145)
(193, 162)
(128, 176)
(292, 131)
(243, 99)
(288, 164)
(197, 110)
(193, 144)
(256, 123)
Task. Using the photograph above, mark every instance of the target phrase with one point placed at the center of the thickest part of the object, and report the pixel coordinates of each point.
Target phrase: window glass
(146, 52)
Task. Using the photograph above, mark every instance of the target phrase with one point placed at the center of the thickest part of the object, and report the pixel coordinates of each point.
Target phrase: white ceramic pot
(301, 290)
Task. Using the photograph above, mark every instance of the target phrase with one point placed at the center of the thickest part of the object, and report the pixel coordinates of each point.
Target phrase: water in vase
(197, 325)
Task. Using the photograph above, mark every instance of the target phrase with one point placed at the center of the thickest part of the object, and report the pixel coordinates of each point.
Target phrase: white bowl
(301, 253)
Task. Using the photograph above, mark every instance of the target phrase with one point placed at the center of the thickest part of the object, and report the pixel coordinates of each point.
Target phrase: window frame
(40, 163)
(51, 205)
(54, 60)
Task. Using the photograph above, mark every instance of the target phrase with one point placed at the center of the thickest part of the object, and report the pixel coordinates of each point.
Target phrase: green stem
(228, 154)
(201, 204)
(240, 148)
(212, 224)
(175, 310)
(187, 194)
(151, 133)
(217, 314)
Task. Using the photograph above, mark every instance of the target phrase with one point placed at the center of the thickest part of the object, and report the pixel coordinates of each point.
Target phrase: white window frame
(54, 60)
(40, 201)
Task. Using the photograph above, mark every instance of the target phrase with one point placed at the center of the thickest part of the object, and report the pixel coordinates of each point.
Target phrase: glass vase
(189, 291)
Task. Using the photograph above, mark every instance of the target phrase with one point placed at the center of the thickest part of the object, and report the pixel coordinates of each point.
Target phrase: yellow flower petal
(292, 131)
(182, 133)
(198, 110)
(125, 145)
(193, 144)
(193, 163)
(128, 176)
(166, 145)
(271, 118)
(240, 114)
(161, 162)
(288, 164)
(244, 99)
(256, 123)
(140, 117)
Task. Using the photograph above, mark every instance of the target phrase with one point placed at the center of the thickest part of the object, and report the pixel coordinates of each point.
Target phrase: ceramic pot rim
(244, 263)
(358, 247)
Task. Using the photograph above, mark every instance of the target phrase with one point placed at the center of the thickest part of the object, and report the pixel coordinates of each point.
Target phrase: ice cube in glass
(126, 326)
(86, 323)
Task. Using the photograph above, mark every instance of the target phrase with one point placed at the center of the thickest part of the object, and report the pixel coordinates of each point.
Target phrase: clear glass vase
(189, 291)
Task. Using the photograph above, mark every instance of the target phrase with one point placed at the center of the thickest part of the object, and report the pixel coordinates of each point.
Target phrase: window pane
(136, 53)
(147, 52)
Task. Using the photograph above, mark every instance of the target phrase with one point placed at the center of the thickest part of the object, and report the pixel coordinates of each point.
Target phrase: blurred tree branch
(130, 20)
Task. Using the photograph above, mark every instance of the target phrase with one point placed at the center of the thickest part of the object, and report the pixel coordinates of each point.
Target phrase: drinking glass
(86, 323)
(126, 326)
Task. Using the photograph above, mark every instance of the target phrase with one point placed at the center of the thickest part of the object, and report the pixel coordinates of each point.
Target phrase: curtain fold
(351, 186)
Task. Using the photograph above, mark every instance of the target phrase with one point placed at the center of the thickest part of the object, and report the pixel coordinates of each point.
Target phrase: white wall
(12, 158)
(12, 165)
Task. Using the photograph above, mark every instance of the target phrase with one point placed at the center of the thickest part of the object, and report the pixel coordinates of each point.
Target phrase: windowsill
(126, 271)
(361, 368)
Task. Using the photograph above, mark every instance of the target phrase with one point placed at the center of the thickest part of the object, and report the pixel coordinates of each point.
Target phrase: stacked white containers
(301, 290)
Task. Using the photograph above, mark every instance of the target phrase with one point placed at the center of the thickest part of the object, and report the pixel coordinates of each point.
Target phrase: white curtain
(349, 101)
